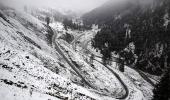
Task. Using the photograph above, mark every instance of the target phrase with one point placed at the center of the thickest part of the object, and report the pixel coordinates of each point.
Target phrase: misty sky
(76, 5)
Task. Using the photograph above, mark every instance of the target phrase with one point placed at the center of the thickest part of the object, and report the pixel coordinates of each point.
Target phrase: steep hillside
(146, 24)
(138, 31)
(36, 63)
(30, 67)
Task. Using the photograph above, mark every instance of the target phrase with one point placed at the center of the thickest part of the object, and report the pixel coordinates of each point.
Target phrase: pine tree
(162, 90)
(47, 20)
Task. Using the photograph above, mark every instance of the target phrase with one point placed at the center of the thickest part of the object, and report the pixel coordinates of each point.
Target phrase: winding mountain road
(56, 46)
(142, 74)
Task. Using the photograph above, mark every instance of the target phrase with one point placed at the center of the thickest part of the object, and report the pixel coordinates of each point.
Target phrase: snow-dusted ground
(31, 69)
(27, 77)
(139, 83)
(138, 88)
(99, 76)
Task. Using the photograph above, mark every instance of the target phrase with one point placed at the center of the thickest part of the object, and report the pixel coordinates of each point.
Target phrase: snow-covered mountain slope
(27, 77)
(30, 68)
(33, 68)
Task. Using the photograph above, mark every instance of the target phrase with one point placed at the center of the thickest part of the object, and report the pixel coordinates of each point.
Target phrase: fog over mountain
(111, 8)
(75, 5)
(79, 6)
